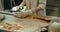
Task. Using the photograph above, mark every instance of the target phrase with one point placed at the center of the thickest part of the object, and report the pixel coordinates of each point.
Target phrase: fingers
(14, 8)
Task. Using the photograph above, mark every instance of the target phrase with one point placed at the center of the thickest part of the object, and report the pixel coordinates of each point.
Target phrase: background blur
(52, 7)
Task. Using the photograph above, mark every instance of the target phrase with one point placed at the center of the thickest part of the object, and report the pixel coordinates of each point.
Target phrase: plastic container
(54, 25)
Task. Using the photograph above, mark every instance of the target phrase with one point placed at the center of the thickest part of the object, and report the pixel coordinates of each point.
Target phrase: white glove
(18, 7)
(25, 12)
(14, 8)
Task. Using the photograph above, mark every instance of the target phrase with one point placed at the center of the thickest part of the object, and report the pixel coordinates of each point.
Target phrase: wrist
(38, 9)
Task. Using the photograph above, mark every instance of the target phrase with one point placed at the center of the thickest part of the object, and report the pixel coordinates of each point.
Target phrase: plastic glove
(16, 8)
(23, 13)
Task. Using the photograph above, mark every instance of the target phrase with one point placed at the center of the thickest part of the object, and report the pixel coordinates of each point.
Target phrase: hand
(19, 7)
(16, 8)
(23, 13)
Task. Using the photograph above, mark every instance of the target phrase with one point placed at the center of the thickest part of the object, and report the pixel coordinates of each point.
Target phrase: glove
(16, 8)
(23, 13)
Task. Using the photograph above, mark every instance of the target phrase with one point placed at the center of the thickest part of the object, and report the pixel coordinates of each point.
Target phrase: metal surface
(29, 25)
(32, 25)
(8, 13)
(10, 20)
(2, 16)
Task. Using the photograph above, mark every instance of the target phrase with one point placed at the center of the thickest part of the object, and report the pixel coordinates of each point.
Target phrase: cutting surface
(31, 25)
(28, 25)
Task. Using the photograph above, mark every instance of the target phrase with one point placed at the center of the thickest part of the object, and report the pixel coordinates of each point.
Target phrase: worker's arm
(19, 7)
(42, 5)
(22, 4)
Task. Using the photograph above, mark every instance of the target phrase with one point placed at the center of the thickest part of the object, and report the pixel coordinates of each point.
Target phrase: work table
(28, 24)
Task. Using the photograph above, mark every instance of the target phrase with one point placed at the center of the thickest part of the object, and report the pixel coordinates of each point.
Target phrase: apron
(30, 4)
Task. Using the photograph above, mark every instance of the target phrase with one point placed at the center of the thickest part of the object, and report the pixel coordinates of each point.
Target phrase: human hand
(23, 13)
(16, 8)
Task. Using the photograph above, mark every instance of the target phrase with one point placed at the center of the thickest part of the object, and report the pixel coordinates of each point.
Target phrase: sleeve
(42, 3)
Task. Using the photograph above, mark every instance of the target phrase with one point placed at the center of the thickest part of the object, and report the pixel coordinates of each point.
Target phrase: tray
(28, 25)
